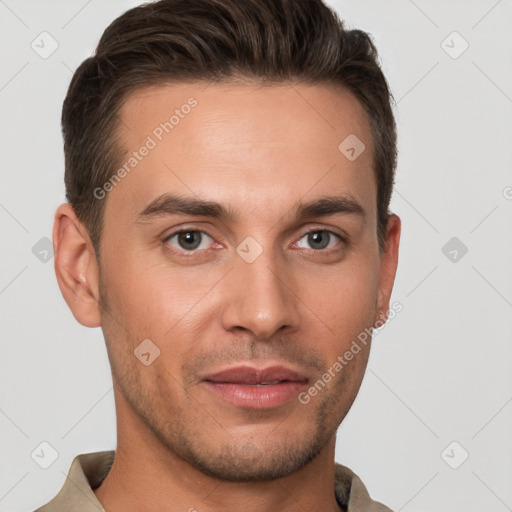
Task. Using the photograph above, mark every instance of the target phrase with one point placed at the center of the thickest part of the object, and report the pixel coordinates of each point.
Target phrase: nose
(260, 298)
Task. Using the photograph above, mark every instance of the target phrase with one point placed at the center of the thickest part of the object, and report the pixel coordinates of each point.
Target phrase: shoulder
(352, 493)
(87, 471)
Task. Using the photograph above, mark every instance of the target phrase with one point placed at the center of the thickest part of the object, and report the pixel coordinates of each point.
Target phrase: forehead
(246, 113)
(252, 144)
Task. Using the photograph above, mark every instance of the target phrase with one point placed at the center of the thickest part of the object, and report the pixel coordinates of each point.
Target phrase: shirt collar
(88, 470)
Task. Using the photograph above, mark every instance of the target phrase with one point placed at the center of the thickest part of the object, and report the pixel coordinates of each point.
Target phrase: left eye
(189, 240)
(320, 239)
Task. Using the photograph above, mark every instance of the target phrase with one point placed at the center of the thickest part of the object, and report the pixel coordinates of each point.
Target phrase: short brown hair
(216, 40)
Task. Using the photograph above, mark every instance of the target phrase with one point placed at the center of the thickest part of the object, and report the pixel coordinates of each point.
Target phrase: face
(241, 245)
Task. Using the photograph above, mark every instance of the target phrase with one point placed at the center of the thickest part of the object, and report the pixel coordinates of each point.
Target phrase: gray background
(439, 372)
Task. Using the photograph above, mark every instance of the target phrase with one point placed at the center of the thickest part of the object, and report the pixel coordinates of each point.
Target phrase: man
(229, 167)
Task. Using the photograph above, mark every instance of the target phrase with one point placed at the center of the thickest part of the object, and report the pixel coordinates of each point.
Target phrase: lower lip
(257, 397)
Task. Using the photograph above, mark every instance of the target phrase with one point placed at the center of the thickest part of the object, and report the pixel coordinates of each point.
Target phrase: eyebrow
(170, 204)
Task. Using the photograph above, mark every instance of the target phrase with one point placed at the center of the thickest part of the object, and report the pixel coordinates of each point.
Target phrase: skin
(257, 150)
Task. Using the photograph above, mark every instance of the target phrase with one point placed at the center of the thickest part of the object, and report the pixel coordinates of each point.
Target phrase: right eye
(188, 240)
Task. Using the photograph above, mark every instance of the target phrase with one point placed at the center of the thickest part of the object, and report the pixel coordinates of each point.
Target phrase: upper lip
(251, 375)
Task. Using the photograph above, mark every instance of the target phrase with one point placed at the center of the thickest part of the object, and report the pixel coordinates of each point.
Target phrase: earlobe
(388, 266)
(76, 266)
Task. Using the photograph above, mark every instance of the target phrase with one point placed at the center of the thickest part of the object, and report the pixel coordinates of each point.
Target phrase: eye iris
(186, 239)
(318, 239)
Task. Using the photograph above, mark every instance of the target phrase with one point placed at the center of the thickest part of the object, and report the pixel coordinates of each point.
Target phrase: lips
(246, 375)
(253, 388)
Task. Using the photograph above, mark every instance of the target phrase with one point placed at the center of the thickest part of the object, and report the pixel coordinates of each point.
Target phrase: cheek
(344, 298)
(157, 301)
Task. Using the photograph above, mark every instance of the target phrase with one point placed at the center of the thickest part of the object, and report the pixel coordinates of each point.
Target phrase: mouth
(253, 388)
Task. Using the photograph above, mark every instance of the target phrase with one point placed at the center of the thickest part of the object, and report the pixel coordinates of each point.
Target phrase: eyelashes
(186, 236)
(321, 241)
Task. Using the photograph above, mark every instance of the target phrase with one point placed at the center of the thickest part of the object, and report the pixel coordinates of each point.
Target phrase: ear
(388, 266)
(76, 266)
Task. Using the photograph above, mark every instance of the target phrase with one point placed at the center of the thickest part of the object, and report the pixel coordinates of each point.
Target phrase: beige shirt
(88, 471)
